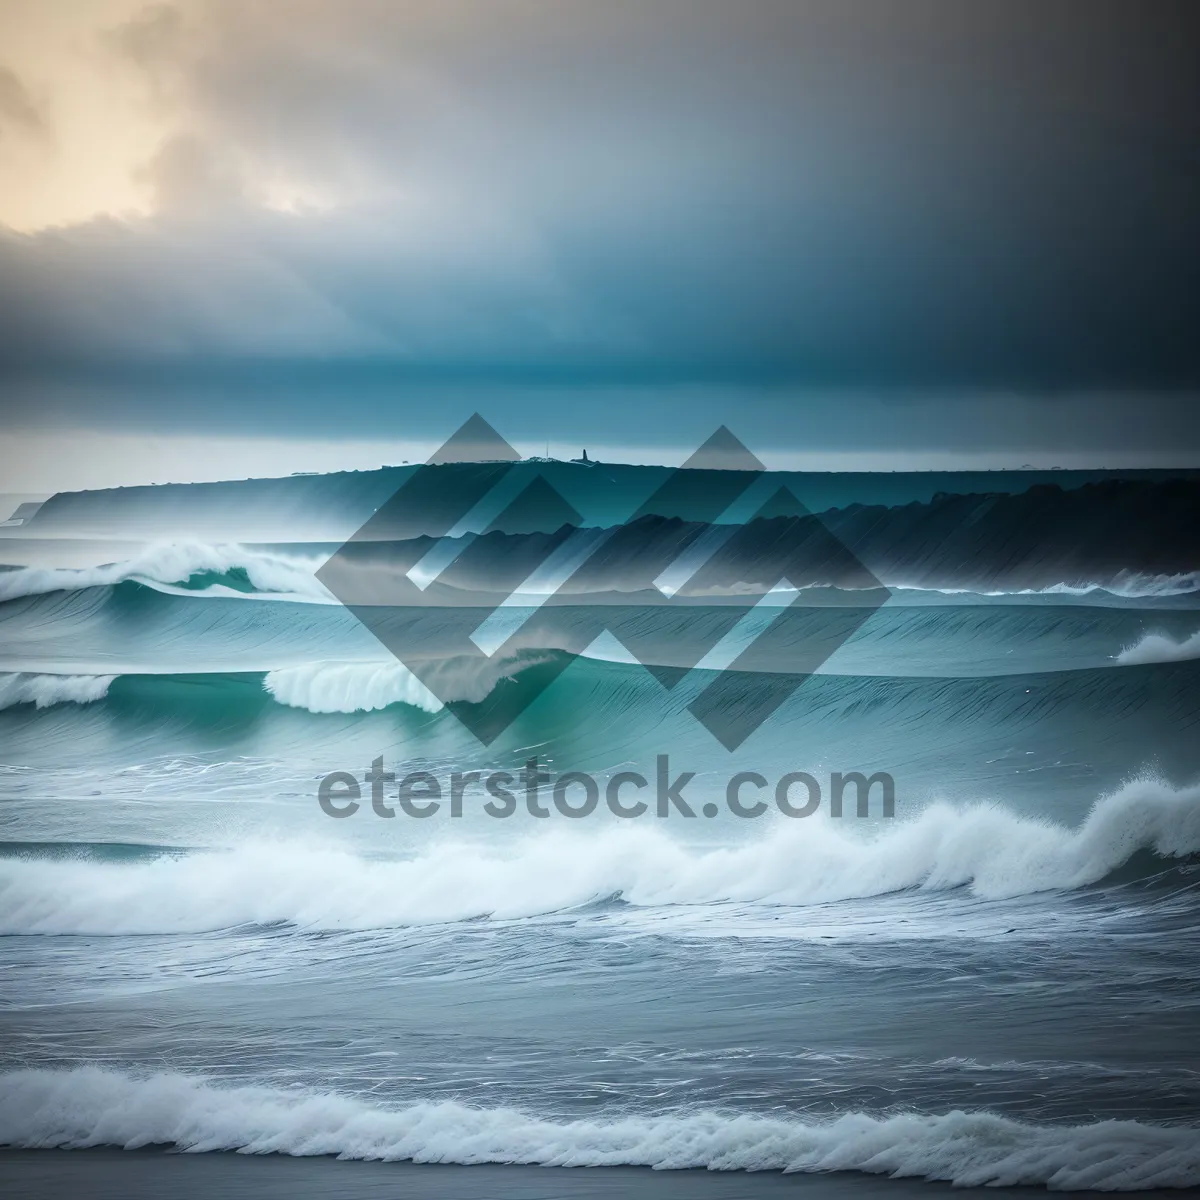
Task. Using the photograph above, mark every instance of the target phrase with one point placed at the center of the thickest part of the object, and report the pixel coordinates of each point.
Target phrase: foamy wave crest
(45, 690)
(1158, 648)
(349, 687)
(1129, 584)
(988, 850)
(1137, 584)
(176, 563)
(87, 1106)
(333, 687)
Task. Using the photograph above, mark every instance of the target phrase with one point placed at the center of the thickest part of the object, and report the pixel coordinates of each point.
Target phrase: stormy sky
(855, 223)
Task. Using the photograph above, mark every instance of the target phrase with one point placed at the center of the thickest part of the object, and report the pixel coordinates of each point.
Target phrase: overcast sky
(852, 225)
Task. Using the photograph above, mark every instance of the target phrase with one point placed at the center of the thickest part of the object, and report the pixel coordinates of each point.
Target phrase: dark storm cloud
(864, 192)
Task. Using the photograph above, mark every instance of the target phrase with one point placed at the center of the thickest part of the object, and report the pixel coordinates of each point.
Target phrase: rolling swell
(42, 691)
(1018, 939)
(134, 628)
(1138, 714)
(983, 848)
(87, 1106)
(192, 565)
(337, 687)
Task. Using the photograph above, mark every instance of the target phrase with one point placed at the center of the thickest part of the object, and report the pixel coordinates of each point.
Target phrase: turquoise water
(997, 984)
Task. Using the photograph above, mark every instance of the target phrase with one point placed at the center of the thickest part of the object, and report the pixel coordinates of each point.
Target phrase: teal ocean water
(998, 983)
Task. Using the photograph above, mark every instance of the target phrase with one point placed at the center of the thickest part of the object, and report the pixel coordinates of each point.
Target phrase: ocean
(227, 926)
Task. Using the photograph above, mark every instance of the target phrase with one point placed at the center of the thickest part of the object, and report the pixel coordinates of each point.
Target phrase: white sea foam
(44, 690)
(87, 1106)
(283, 576)
(1128, 584)
(277, 575)
(988, 850)
(346, 687)
(1135, 583)
(349, 687)
(1159, 648)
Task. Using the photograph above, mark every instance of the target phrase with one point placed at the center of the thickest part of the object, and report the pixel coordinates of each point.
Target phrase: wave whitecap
(1130, 585)
(88, 1106)
(988, 850)
(1139, 583)
(45, 690)
(349, 687)
(278, 575)
(1159, 648)
(335, 687)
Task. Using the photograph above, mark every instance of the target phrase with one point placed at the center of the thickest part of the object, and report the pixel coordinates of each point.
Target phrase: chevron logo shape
(502, 566)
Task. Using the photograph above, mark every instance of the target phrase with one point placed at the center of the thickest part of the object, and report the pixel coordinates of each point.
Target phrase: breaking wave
(88, 1106)
(332, 687)
(349, 687)
(45, 690)
(192, 568)
(1158, 648)
(988, 850)
(276, 575)
(1127, 584)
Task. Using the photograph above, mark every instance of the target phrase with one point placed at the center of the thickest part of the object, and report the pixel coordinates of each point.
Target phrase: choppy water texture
(998, 985)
